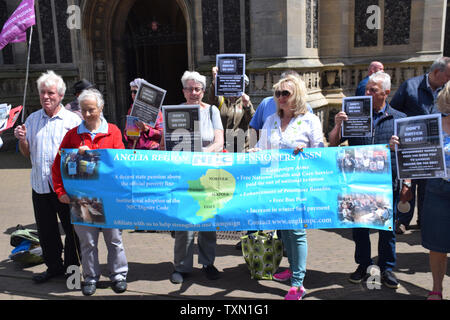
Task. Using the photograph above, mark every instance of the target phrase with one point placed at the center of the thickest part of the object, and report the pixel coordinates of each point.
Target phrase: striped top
(44, 135)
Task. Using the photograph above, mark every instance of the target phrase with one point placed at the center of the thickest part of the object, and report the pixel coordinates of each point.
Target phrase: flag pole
(26, 75)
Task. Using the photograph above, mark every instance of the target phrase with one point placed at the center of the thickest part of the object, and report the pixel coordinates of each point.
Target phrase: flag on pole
(14, 29)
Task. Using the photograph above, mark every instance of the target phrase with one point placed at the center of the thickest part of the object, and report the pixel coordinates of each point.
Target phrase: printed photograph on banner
(370, 160)
(87, 210)
(365, 209)
(80, 166)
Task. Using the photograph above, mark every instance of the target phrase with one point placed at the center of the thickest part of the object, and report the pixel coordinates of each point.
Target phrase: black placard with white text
(420, 153)
(359, 113)
(147, 103)
(230, 75)
(182, 128)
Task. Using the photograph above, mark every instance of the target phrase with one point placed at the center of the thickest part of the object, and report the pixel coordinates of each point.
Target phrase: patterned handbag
(263, 253)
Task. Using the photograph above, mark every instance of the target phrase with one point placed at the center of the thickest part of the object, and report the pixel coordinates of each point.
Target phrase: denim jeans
(386, 245)
(296, 247)
(386, 248)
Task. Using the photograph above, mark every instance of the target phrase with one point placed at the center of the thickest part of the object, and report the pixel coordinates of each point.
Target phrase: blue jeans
(386, 245)
(386, 248)
(297, 250)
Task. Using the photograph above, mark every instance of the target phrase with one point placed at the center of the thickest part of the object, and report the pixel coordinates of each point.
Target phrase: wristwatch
(407, 183)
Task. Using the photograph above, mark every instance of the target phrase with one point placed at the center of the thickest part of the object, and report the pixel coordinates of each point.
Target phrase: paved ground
(330, 260)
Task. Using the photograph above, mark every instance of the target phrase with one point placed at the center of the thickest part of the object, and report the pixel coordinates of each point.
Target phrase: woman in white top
(292, 127)
(194, 86)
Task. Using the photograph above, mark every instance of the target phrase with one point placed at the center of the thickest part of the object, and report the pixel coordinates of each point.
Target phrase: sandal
(434, 295)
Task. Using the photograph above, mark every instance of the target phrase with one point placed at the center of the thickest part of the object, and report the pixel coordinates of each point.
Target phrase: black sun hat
(82, 85)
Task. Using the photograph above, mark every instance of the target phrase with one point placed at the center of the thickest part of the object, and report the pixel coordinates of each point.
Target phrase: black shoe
(238, 246)
(359, 275)
(119, 286)
(45, 276)
(211, 272)
(177, 277)
(389, 279)
(88, 288)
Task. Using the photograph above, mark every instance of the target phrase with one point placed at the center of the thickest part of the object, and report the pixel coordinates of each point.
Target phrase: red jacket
(110, 140)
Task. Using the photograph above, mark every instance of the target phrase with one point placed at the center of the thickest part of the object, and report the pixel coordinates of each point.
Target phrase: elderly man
(39, 139)
(414, 97)
(374, 66)
(378, 87)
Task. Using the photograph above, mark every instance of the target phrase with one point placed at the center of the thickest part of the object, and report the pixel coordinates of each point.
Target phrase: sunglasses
(284, 93)
(134, 91)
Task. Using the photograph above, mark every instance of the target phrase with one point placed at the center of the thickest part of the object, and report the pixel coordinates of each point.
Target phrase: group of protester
(287, 122)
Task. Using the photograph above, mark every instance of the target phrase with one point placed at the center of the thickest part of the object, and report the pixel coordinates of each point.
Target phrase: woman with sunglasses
(149, 137)
(292, 127)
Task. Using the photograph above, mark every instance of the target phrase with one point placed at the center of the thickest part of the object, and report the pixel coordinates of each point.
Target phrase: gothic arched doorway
(156, 45)
(119, 40)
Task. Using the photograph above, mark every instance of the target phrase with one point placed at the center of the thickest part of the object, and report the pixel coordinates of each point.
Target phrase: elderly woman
(94, 133)
(149, 137)
(435, 220)
(212, 136)
(292, 127)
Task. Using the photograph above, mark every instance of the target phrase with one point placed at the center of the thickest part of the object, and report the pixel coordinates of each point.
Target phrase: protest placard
(230, 75)
(420, 153)
(147, 103)
(359, 113)
(182, 128)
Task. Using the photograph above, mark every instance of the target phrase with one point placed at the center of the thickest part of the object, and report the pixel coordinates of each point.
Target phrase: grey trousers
(117, 261)
(184, 249)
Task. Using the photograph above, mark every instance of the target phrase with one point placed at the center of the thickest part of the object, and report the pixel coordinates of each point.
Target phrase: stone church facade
(329, 42)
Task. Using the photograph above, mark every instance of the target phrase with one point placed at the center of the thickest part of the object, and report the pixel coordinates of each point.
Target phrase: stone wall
(327, 42)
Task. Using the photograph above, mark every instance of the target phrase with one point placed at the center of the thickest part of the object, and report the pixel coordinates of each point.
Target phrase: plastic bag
(263, 253)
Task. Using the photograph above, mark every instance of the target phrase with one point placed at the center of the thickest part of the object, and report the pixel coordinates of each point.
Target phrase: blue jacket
(414, 98)
(361, 89)
(382, 133)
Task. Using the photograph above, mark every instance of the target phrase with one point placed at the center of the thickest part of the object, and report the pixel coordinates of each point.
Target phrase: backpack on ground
(27, 249)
